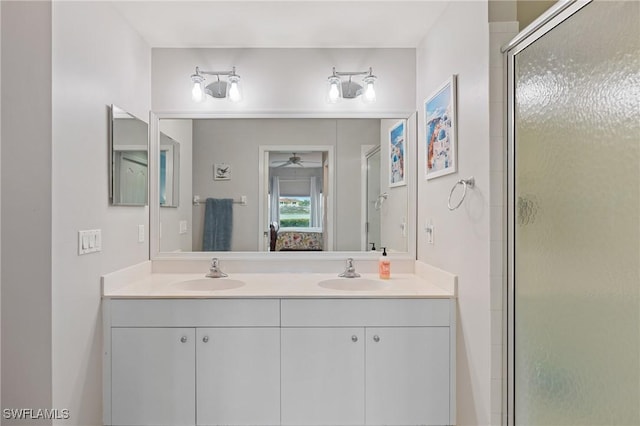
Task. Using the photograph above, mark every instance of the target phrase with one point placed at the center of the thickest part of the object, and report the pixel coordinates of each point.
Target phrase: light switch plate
(183, 227)
(89, 241)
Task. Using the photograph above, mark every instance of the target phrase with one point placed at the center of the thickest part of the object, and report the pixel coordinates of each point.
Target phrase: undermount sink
(207, 284)
(354, 284)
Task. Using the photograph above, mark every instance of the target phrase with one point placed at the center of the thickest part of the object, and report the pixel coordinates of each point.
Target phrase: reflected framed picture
(397, 153)
(440, 130)
(222, 171)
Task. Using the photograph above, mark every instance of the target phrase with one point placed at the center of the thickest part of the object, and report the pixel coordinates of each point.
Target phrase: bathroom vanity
(278, 350)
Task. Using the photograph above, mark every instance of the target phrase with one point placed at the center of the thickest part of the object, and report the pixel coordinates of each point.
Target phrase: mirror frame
(154, 206)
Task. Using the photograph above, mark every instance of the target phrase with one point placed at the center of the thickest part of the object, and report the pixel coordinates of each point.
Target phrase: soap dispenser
(373, 246)
(384, 265)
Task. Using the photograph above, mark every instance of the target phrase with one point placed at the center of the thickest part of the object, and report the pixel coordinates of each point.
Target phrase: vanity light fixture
(219, 89)
(349, 89)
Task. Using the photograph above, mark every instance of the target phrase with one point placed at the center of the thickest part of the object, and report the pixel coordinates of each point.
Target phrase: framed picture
(440, 126)
(222, 171)
(397, 153)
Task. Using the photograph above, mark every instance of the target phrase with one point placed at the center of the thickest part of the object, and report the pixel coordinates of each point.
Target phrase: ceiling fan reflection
(296, 160)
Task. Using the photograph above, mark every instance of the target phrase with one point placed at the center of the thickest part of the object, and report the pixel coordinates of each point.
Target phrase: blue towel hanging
(218, 224)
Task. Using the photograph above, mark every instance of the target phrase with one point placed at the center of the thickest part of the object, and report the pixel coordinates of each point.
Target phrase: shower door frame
(553, 17)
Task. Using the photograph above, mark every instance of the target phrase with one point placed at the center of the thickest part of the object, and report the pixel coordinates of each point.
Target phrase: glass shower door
(576, 221)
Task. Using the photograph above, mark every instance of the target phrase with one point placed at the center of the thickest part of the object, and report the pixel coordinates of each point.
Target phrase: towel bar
(197, 201)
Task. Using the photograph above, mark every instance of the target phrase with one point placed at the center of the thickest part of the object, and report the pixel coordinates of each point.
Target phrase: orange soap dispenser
(384, 265)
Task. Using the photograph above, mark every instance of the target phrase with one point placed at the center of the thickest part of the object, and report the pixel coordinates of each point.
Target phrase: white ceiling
(304, 24)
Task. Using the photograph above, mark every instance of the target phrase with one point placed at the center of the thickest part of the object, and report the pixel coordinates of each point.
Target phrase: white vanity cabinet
(322, 376)
(367, 362)
(152, 380)
(192, 361)
(238, 376)
(280, 361)
(407, 376)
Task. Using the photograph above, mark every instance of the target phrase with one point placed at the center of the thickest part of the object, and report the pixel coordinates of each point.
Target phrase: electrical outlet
(429, 230)
(141, 233)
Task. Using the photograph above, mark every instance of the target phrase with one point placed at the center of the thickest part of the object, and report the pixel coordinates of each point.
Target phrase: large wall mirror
(276, 185)
(129, 160)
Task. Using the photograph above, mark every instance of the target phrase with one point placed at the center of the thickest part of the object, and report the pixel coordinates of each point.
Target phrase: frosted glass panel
(577, 221)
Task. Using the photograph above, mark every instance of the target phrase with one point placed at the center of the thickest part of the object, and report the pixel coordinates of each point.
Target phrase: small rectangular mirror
(129, 139)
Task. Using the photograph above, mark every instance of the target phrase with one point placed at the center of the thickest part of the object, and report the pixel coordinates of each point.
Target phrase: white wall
(170, 217)
(26, 206)
(500, 34)
(530, 10)
(97, 60)
(0, 212)
(291, 80)
(459, 44)
(503, 10)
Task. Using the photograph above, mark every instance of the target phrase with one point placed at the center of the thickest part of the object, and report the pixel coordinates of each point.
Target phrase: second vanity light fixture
(229, 89)
(349, 89)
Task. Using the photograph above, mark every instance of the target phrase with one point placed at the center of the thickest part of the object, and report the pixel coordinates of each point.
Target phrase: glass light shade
(334, 89)
(234, 92)
(197, 92)
(369, 91)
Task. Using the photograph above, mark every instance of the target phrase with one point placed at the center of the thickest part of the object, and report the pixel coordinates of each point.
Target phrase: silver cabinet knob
(354, 338)
(205, 339)
(376, 338)
(183, 339)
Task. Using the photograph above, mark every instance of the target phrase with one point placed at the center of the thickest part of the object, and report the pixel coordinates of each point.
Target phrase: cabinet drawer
(196, 313)
(365, 312)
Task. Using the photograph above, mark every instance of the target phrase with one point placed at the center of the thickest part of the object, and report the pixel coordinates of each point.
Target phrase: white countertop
(274, 285)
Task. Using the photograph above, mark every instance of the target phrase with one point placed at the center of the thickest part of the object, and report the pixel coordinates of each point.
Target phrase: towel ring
(380, 200)
(471, 182)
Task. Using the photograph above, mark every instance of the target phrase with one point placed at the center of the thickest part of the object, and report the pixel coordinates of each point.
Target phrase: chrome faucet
(214, 270)
(350, 271)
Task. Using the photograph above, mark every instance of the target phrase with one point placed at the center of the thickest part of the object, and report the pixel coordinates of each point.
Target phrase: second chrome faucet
(214, 270)
(350, 270)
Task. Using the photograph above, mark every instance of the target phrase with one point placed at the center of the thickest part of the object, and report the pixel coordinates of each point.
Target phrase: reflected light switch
(141, 233)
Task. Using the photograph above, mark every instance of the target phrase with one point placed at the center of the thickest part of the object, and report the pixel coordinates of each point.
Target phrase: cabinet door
(153, 376)
(238, 376)
(407, 376)
(322, 376)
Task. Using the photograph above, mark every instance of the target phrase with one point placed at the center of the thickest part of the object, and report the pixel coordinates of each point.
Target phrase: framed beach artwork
(440, 126)
(397, 153)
